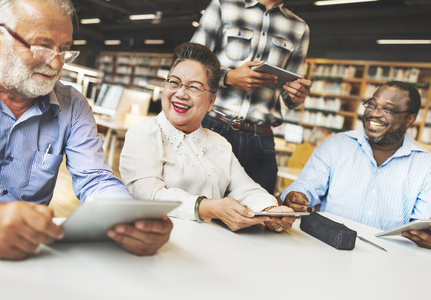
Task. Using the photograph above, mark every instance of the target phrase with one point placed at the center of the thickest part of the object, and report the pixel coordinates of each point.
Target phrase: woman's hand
(278, 224)
(230, 212)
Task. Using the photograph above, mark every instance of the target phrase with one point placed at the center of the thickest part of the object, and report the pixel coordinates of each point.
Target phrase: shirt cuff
(223, 77)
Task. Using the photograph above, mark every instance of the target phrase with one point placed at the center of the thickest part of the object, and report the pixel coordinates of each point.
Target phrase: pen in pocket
(46, 153)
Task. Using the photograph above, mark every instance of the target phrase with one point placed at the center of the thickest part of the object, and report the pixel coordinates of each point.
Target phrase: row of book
(323, 103)
(331, 87)
(393, 73)
(321, 119)
(315, 118)
(147, 60)
(334, 70)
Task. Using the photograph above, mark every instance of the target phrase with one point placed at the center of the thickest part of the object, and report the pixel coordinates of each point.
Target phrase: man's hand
(280, 224)
(421, 237)
(296, 200)
(23, 227)
(230, 212)
(298, 90)
(247, 79)
(145, 237)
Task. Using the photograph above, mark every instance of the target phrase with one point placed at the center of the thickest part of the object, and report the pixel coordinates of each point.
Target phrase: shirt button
(5, 192)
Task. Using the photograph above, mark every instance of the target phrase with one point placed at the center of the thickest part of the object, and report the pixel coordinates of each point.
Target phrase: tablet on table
(91, 220)
(414, 225)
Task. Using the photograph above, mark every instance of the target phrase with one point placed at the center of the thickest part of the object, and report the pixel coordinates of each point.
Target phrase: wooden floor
(64, 200)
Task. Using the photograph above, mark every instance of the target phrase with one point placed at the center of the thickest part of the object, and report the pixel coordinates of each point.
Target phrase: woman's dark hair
(414, 103)
(200, 54)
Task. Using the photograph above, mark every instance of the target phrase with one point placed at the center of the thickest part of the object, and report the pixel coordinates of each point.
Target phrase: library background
(354, 48)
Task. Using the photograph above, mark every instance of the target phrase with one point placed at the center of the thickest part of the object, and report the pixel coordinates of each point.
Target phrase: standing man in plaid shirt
(244, 34)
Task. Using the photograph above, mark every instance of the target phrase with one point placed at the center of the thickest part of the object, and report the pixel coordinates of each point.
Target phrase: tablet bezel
(414, 225)
(283, 75)
(91, 220)
(280, 214)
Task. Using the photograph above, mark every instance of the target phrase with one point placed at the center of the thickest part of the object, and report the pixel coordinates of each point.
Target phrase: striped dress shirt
(343, 177)
(32, 149)
(243, 30)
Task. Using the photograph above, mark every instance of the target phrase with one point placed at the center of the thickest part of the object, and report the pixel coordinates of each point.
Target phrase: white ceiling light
(79, 42)
(155, 16)
(404, 42)
(154, 42)
(90, 21)
(142, 17)
(336, 2)
(195, 24)
(112, 42)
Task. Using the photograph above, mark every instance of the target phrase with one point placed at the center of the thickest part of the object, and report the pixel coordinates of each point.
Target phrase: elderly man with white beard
(43, 120)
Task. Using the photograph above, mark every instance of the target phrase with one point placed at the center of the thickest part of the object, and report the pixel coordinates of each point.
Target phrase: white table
(207, 261)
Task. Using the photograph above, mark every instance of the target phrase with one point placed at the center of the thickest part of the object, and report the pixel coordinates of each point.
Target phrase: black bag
(335, 234)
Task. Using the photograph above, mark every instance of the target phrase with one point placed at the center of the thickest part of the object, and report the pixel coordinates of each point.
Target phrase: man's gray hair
(7, 10)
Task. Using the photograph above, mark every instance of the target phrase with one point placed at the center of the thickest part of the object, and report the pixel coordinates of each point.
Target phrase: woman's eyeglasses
(193, 89)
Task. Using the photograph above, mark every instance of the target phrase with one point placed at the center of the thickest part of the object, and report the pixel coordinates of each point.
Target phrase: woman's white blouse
(160, 162)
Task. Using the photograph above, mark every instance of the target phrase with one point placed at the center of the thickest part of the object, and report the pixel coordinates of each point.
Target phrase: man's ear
(411, 119)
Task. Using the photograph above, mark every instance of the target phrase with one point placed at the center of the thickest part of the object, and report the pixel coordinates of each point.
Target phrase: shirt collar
(176, 137)
(49, 100)
(45, 102)
(409, 144)
(252, 3)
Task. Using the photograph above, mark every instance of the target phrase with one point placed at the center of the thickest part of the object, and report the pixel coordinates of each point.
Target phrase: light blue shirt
(342, 175)
(32, 149)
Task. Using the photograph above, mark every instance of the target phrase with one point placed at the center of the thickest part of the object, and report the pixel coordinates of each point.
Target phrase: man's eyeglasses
(193, 89)
(43, 54)
(370, 106)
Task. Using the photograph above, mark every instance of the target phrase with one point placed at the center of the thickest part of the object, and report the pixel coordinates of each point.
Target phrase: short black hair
(202, 54)
(414, 103)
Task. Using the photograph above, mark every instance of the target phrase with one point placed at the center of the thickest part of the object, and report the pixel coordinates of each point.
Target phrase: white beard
(16, 76)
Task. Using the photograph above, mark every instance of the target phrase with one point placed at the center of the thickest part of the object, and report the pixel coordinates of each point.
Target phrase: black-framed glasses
(386, 111)
(193, 89)
(43, 54)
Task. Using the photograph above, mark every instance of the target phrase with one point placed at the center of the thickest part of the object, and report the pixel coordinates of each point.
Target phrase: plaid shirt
(243, 30)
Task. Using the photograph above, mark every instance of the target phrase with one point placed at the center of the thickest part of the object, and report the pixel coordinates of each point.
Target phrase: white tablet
(414, 225)
(91, 220)
(283, 75)
(280, 214)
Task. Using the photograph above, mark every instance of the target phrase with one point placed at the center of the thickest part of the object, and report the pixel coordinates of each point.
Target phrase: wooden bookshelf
(134, 70)
(340, 86)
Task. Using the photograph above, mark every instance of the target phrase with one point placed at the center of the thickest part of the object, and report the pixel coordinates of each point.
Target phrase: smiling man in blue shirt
(378, 176)
(43, 120)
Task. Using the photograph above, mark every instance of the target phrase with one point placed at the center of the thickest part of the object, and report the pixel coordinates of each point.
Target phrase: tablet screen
(91, 220)
(414, 225)
(283, 75)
